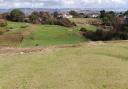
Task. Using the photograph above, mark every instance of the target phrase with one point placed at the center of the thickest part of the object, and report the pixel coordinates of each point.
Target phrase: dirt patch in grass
(6, 50)
(70, 46)
(11, 38)
(11, 50)
(18, 50)
(95, 43)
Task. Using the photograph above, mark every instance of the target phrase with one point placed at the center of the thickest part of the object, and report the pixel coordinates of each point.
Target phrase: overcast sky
(64, 3)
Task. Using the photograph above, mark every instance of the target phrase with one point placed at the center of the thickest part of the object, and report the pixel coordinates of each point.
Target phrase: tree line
(114, 27)
(17, 15)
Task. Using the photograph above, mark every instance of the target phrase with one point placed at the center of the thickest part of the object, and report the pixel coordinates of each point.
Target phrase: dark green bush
(83, 30)
(99, 35)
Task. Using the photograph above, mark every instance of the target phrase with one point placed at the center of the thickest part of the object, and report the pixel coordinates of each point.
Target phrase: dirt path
(9, 50)
(6, 50)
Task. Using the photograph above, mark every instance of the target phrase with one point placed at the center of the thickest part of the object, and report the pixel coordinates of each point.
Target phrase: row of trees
(39, 18)
(47, 18)
(118, 31)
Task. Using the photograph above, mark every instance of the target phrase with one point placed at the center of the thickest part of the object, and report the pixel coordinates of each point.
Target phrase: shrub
(34, 18)
(99, 34)
(83, 30)
(64, 22)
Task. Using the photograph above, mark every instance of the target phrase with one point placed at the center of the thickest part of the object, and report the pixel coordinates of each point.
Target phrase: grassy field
(93, 65)
(44, 34)
(52, 35)
(82, 22)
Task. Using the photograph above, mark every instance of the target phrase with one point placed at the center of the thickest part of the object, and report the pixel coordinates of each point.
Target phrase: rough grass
(90, 66)
(81, 23)
(14, 27)
(89, 27)
(83, 20)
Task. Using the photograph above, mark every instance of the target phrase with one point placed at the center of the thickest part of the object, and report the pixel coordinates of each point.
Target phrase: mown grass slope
(43, 35)
(52, 35)
(90, 66)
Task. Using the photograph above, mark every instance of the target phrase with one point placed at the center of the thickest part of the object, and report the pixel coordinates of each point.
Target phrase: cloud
(63, 3)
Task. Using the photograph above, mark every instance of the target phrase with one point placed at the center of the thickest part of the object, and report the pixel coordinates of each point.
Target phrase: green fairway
(90, 66)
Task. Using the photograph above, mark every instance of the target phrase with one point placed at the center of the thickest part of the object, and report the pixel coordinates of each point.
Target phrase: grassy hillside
(43, 34)
(90, 66)
(52, 35)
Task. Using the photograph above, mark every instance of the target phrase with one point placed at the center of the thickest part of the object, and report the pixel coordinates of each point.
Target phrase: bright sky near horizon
(64, 3)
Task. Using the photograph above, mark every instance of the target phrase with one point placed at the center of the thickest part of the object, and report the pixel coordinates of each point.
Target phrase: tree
(34, 17)
(16, 15)
(74, 13)
(55, 14)
(126, 13)
(102, 13)
(108, 18)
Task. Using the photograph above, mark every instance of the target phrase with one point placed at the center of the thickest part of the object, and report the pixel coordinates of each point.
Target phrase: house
(67, 16)
(94, 16)
(64, 15)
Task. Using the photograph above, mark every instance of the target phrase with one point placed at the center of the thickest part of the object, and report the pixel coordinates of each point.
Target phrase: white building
(94, 15)
(67, 16)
